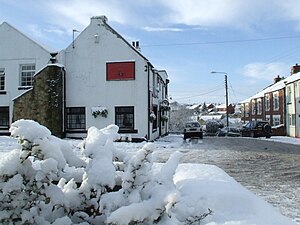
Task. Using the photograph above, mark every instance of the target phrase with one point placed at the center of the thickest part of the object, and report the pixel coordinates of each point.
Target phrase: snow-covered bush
(212, 126)
(179, 117)
(45, 182)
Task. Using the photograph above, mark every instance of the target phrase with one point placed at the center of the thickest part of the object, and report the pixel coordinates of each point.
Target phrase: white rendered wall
(17, 49)
(86, 84)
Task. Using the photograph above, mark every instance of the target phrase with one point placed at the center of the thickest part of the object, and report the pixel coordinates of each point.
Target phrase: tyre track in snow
(269, 169)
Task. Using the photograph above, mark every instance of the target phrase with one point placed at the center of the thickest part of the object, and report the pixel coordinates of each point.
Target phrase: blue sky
(251, 40)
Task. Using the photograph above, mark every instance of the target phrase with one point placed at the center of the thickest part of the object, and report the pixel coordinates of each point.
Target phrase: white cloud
(164, 14)
(35, 30)
(264, 71)
(162, 29)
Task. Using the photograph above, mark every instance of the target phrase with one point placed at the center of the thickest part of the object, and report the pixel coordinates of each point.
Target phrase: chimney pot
(53, 57)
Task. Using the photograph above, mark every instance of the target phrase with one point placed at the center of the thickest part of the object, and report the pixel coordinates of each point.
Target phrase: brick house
(281, 105)
(267, 105)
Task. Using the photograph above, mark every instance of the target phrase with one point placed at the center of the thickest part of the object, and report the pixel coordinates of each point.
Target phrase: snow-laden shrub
(212, 126)
(45, 182)
(28, 177)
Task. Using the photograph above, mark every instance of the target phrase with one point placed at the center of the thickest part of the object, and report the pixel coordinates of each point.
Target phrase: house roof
(193, 106)
(292, 78)
(6, 24)
(272, 88)
(211, 117)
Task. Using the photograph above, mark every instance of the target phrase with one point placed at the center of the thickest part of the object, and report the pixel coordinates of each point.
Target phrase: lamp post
(226, 96)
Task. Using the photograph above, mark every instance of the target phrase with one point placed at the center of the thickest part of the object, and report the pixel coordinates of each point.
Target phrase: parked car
(193, 130)
(228, 131)
(257, 129)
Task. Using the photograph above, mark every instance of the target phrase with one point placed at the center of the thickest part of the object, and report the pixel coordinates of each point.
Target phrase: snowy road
(269, 169)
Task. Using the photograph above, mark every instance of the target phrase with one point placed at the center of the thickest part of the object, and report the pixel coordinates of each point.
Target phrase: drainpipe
(148, 73)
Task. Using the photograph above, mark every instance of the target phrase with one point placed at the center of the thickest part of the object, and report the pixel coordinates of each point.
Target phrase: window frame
(259, 106)
(25, 74)
(120, 112)
(275, 101)
(276, 120)
(253, 107)
(2, 79)
(289, 95)
(75, 114)
(4, 116)
(267, 102)
(154, 122)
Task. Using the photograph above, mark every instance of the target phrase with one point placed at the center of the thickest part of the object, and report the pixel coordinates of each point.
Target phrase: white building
(20, 58)
(293, 105)
(109, 81)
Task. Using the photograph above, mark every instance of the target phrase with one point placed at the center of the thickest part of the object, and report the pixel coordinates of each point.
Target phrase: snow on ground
(284, 139)
(206, 187)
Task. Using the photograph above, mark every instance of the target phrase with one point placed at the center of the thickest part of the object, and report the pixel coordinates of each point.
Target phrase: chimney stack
(277, 79)
(136, 45)
(295, 69)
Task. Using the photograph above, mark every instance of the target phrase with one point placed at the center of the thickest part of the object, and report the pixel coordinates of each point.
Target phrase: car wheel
(267, 128)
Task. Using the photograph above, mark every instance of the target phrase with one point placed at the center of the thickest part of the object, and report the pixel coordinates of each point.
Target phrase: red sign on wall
(120, 71)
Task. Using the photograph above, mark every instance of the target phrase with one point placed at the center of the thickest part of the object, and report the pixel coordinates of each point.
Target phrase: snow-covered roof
(211, 117)
(193, 106)
(292, 78)
(275, 87)
(221, 106)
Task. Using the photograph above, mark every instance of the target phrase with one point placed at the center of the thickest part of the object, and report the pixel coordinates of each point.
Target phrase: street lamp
(226, 94)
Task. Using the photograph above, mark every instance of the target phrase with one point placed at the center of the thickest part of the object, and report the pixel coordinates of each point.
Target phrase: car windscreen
(192, 125)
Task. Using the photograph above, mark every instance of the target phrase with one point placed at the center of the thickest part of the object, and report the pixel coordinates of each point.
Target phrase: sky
(252, 41)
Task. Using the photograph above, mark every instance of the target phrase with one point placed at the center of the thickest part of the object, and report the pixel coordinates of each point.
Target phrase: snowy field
(201, 187)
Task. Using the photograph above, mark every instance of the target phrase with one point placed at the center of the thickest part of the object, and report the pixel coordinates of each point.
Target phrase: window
(289, 95)
(259, 107)
(292, 119)
(120, 71)
(253, 108)
(267, 103)
(268, 118)
(276, 120)
(275, 101)
(26, 74)
(4, 117)
(125, 117)
(2, 80)
(247, 112)
(76, 118)
(154, 123)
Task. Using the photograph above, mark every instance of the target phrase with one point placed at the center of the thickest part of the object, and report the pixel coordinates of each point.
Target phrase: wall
(44, 103)
(85, 66)
(17, 49)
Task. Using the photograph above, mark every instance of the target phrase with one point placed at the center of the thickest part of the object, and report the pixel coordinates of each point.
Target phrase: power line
(221, 42)
(205, 93)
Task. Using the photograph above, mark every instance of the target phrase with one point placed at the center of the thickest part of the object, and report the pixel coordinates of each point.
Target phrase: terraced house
(279, 104)
(99, 79)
